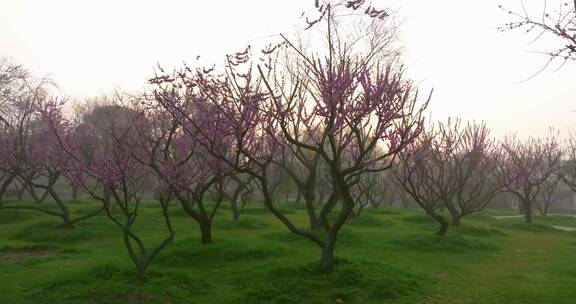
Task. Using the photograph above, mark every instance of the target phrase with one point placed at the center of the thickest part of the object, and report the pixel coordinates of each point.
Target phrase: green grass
(352, 281)
(418, 218)
(368, 221)
(245, 222)
(448, 243)
(385, 255)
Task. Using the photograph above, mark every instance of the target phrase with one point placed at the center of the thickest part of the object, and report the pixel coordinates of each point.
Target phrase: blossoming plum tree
(351, 107)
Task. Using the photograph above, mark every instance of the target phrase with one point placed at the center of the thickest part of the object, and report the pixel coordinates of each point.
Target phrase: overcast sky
(92, 46)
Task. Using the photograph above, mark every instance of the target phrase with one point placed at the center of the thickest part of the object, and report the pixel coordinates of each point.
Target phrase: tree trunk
(443, 228)
(443, 223)
(235, 214)
(139, 261)
(142, 271)
(21, 193)
(456, 220)
(236, 210)
(528, 213)
(206, 231)
(546, 208)
(5, 184)
(315, 224)
(440, 220)
(75, 192)
(67, 223)
(65, 212)
(327, 256)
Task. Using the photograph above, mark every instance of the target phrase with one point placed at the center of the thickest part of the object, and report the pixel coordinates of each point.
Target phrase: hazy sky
(90, 47)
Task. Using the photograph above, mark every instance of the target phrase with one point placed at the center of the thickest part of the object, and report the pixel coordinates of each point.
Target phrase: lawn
(384, 256)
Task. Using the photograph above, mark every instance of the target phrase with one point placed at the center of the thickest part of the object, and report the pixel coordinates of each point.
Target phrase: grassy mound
(83, 210)
(448, 243)
(261, 210)
(418, 219)
(28, 254)
(284, 237)
(189, 253)
(345, 236)
(53, 232)
(481, 216)
(177, 211)
(536, 228)
(80, 202)
(113, 284)
(293, 205)
(13, 216)
(244, 222)
(560, 220)
(367, 221)
(385, 211)
(476, 231)
(351, 282)
(29, 248)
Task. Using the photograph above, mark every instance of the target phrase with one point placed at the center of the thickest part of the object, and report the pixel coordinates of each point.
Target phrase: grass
(368, 221)
(245, 222)
(448, 243)
(352, 281)
(536, 228)
(385, 255)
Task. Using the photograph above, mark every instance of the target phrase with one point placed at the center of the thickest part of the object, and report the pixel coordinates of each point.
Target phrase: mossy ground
(383, 256)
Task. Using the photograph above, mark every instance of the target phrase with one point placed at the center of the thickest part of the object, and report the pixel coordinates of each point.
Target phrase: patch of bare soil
(20, 255)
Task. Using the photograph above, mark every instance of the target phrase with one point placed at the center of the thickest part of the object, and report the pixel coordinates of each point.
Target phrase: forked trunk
(315, 223)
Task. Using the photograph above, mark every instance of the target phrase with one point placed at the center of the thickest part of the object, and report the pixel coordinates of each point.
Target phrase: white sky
(92, 46)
